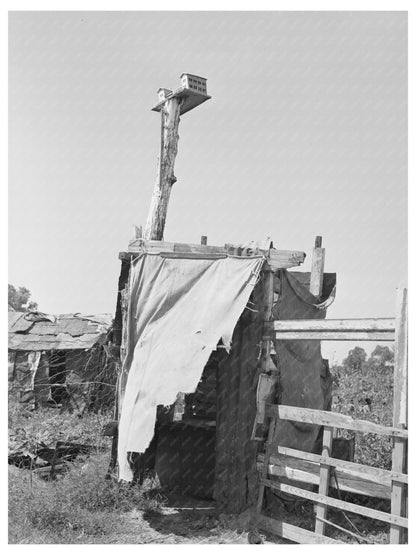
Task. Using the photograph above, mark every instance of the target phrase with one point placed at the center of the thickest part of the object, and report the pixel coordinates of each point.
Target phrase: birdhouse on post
(171, 105)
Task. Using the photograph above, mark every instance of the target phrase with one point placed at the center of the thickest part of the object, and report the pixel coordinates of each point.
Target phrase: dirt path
(183, 521)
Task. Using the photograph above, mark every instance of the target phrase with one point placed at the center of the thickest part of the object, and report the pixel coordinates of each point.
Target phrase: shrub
(351, 387)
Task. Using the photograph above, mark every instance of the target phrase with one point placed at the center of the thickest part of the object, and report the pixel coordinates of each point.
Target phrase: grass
(49, 425)
(82, 507)
(81, 503)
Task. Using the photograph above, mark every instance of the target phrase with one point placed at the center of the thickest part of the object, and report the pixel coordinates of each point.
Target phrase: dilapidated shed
(60, 360)
(197, 362)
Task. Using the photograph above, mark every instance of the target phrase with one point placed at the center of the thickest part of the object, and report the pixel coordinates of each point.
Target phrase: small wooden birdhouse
(194, 82)
(192, 92)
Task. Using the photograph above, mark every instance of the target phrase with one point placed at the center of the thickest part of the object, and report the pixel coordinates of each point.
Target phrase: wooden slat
(277, 258)
(370, 473)
(398, 494)
(308, 472)
(351, 324)
(334, 336)
(364, 329)
(326, 418)
(324, 479)
(337, 503)
(289, 531)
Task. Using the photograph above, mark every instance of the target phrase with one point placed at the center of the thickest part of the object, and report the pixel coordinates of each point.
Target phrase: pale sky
(305, 135)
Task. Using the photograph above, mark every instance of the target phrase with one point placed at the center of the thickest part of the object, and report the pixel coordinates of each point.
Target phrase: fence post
(324, 479)
(400, 402)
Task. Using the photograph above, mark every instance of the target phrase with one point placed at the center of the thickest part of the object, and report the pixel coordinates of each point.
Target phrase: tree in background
(19, 299)
(381, 358)
(356, 359)
(363, 389)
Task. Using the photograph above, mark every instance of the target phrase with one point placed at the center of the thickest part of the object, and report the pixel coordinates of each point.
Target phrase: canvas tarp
(178, 311)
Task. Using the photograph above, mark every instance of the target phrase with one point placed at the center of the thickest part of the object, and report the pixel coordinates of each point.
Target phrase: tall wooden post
(315, 287)
(156, 219)
(400, 409)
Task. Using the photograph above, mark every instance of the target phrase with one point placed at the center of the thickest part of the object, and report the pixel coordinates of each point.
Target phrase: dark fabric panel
(305, 377)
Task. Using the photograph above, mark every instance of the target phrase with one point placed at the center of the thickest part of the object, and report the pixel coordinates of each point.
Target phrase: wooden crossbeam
(337, 503)
(334, 336)
(308, 472)
(363, 329)
(327, 418)
(370, 473)
(382, 325)
(277, 258)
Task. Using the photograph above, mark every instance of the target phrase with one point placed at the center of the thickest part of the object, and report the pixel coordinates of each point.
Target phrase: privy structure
(205, 440)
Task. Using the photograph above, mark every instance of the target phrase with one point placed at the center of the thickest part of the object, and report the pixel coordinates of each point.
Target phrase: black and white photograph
(207, 235)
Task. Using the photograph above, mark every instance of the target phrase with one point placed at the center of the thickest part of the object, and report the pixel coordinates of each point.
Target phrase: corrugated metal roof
(40, 332)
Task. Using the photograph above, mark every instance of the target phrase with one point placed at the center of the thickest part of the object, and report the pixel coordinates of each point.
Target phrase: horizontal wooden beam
(349, 324)
(356, 329)
(333, 336)
(276, 258)
(289, 531)
(308, 472)
(377, 475)
(327, 418)
(337, 503)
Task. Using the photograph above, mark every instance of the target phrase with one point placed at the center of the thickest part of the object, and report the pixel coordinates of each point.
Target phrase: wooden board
(289, 531)
(333, 336)
(356, 470)
(308, 472)
(327, 418)
(276, 258)
(337, 503)
(351, 324)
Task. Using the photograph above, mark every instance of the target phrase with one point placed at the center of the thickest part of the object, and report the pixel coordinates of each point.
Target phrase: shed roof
(35, 331)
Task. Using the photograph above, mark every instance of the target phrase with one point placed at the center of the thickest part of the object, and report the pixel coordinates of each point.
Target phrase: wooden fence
(293, 464)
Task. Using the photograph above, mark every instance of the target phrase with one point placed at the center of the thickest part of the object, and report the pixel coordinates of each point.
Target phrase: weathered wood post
(400, 413)
(317, 269)
(315, 287)
(156, 218)
(172, 105)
